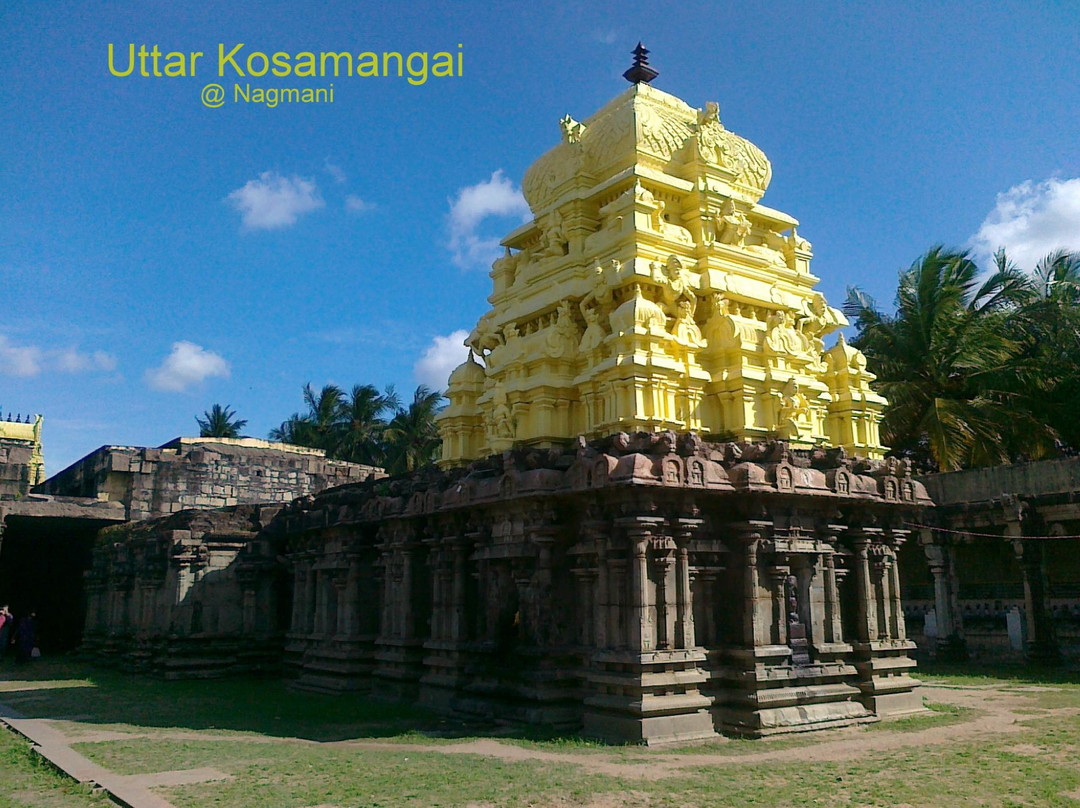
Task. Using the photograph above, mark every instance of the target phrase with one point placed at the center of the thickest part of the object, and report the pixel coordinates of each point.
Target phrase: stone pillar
(309, 598)
(585, 578)
(339, 580)
(834, 619)
(755, 630)
(684, 601)
(641, 629)
(665, 614)
(950, 640)
(868, 623)
(543, 537)
(879, 574)
(684, 598)
(299, 580)
(458, 628)
(778, 574)
(600, 618)
(351, 610)
(899, 627)
(1042, 643)
(616, 589)
(406, 619)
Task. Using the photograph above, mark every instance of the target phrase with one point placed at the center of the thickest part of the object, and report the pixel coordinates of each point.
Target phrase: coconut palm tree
(220, 422)
(325, 414)
(1047, 325)
(363, 423)
(412, 438)
(946, 362)
(321, 426)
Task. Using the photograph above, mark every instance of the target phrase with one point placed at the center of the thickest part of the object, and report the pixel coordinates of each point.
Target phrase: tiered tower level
(652, 291)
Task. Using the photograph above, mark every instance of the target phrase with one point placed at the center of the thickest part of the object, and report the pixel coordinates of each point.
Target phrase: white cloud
(187, 365)
(473, 204)
(19, 360)
(273, 201)
(354, 204)
(440, 358)
(1031, 220)
(71, 360)
(336, 173)
(606, 36)
(31, 360)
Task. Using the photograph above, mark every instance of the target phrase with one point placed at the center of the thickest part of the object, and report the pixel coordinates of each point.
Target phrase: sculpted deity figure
(686, 330)
(781, 336)
(562, 337)
(736, 225)
(507, 265)
(484, 338)
(819, 318)
(676, 284)
(794, 409)
(602, 294)
(501, 421)
(555, 236)
(594, 334)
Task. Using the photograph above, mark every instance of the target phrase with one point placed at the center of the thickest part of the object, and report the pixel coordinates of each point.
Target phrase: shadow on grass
(72, 690)
(987, 673)
(76, 691)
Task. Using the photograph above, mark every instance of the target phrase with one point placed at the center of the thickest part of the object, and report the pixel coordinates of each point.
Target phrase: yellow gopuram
(652, 291)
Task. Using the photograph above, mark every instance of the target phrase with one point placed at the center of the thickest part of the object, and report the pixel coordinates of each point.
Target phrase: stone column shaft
(868, 624)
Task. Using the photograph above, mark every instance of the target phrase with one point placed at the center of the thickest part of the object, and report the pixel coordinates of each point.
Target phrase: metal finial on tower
(640, 72)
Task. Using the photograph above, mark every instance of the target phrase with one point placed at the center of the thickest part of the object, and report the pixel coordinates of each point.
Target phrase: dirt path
(997, 717)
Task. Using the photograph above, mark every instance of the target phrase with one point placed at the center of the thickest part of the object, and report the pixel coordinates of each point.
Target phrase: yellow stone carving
(29, 433)
(653, 291)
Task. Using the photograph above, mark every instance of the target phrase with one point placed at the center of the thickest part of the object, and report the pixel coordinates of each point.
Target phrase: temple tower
(653, 291)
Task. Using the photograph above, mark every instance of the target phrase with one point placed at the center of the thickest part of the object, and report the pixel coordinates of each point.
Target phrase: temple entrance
(42, 561)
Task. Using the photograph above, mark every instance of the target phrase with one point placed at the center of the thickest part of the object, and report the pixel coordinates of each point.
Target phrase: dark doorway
(42, 561)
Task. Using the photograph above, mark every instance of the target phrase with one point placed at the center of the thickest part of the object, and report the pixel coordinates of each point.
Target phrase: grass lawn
(26, 781)
(1007, 738)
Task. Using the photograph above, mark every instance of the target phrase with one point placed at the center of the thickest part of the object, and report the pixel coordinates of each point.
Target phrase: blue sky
(158, 256)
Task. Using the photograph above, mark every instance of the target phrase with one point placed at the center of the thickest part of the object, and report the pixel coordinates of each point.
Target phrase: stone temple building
(662, 511)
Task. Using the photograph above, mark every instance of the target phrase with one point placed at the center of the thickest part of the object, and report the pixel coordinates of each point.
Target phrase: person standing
(25, 637)
(6, 621)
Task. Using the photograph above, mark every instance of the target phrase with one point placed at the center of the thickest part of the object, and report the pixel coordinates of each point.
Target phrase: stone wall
(645, 588)
(203, 473)
(191, 594)
(15, 467)
(996, 573)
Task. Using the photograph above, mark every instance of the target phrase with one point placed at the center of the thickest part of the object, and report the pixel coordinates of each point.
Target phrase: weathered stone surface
(202, 473)
(643, 588)
(998, 563)
(192, 594)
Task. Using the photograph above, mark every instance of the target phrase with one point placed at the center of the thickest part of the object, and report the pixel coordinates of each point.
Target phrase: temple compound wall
(203, 473)
(995, 572)
(646, 589)
(191, 594)
(47, 537)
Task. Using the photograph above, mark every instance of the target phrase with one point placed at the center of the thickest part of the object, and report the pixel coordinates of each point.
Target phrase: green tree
(220, 422)
(321, 426)
(363, 424)
(412, 438)
(1047, 326)
(948, 364)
